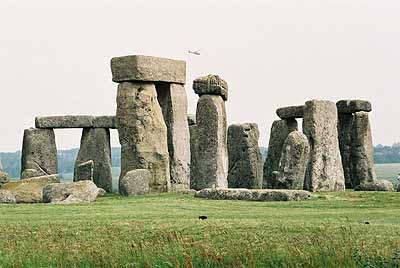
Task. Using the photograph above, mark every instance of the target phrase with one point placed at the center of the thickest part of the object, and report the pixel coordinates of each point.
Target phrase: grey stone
(173, 101)
(7, 197)
(1, 165)
(353, 106)
(211, 166)
(325, 169)
(75, 121)
(293, 163)
(4, 178)
(193, 146)
(39, 151)
(143, 133)
(30, 190)
(290, 112)
(30, 173)
(191, 119)
(135, 182)
(84, 171)
(253, 195)
(245, 161)
(362, 150)
(101, 192)
(211, 85)
(70, 193)
(148, 69)
(95, 146)
(379, 185)
(279, 131)
(345, 128)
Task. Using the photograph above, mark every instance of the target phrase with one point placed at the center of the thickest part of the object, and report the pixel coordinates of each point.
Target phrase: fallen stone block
(70, 193)
(290, 112)
(148, 69)
(7, 197)
(4, 178)
(379, 185)
(353, 106)
(253, 195)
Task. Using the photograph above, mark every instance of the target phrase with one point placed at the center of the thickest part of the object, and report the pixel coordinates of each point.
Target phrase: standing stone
(84, 171)
(293, 163)
(193, 145)
(173, 101)
(325, 170)
(211, 168)
(279, 131)
(245, 161)
(135, 182)
(362, 152)
(95, 145)
(4, 178)
(39, 151)
(143, 133)
(345, 125)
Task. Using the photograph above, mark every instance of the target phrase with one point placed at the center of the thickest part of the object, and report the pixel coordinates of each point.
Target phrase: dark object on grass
(203, 217)
(367, 222)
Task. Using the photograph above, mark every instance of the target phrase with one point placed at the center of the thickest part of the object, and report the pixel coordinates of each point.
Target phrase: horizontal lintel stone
(76, 121)
(148, 68)
(290, 112)
(353, 106)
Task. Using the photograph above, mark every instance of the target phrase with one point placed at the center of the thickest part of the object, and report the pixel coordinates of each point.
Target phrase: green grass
(164, 231)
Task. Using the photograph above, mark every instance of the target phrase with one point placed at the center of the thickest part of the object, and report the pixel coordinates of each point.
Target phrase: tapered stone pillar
(95, 146)
(211, 167)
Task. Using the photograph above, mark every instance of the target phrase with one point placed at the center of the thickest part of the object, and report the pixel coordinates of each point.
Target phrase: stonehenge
(325, 169)
(152, 119)
(279, 131)
(245, 162)
(136, 182)
(211, 154)
(355, 140)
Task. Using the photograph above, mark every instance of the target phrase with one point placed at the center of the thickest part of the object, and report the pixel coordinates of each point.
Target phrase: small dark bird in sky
(203, 217)
(195, 52)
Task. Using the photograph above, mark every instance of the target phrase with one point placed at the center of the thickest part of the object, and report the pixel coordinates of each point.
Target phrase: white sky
(54, 56)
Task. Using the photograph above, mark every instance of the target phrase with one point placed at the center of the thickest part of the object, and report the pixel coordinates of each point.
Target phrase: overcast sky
(54, 56)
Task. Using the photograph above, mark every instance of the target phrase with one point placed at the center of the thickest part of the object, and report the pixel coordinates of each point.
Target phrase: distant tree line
(66, 158)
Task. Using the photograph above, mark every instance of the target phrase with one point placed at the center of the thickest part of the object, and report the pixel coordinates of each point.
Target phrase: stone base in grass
(253, 195)
(380, 185)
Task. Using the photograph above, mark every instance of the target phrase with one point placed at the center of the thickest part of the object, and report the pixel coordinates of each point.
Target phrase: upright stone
(193, 146)
(95, 145)
(293, 163)
(39, 151)
(245, 161)
(143, 133)
(325, 170)
(173, 101)
(362, 153)
(345, 128)
(84, 171)
(211, 169)
(279, 131)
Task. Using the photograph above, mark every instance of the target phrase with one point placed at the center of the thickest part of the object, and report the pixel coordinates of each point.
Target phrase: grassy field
(351, 229)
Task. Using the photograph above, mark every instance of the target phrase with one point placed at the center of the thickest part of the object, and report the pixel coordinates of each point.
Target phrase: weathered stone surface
(101, 192)
(253, 195)
(135, 182)
(84, 171)
(245, 161)
(325, 169)
(7, 197)
(70, 193)
(293, 163)
(353, 106)
(379, 185)
(39, 151)
(290, 112)
(191, 119)
(30, 190)
(193, 146)
(345, 127)
(279, 131)
(143, 133)
(211, 159)
(95, 146)
(362, 150)
(211, 85)
(30, 173)
(173, 101)
(4, 178)
(76, 121)
(148, 69)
